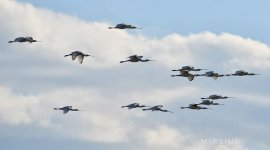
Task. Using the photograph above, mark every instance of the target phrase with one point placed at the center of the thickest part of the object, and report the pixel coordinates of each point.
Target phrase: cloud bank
(36, 77)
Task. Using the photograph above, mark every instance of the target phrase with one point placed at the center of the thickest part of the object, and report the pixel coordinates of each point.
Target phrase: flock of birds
(185, 71)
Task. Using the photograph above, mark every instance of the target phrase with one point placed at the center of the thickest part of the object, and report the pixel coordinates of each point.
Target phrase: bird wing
(19, 38)
(80, 58)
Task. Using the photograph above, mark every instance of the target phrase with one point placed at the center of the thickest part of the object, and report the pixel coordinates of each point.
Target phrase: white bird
(79, 55)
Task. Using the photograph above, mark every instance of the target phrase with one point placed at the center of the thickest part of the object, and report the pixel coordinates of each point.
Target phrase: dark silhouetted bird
(188, 68)
(185, 73)
(77, 54)
(134, 105)
(24, 39)
(194, 106)
(157, 108)
(124, 26)
(215, 97)
(208, 102)
(242, 73)
(212, 74)
(135, 58)
(66, 109)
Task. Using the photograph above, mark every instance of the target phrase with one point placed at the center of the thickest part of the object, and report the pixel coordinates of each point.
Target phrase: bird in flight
(208, 102)
(215, 97)
(134, 105)
(188, 68)
(136, 58)
(194, 106)
(212, 74)
(66, 109)
(79, 55)
(157, 108)
(185, 73)
(124, 26)
(242, 73)
(24, 39)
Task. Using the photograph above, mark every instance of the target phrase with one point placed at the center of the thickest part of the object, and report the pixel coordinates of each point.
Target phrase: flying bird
(124, 26)
(185, 73)
(242, 73)
(208, 102)
(157, 108)
(66, 109)
(194, 106)
(212, 74)
(188, 68)
(135, 58)
(79, 55)
(134, 105)
(215, 97)
(24, 39)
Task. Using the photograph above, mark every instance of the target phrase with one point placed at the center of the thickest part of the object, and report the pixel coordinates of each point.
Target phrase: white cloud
(62, 34)
(43, 67)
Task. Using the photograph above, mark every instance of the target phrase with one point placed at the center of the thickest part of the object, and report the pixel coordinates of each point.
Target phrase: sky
(222, 36)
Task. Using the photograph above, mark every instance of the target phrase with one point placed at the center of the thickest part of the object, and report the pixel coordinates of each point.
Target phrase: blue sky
(222, 36)
(245, 18)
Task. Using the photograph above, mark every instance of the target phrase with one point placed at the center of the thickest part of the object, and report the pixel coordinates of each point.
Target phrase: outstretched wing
(19, 39)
